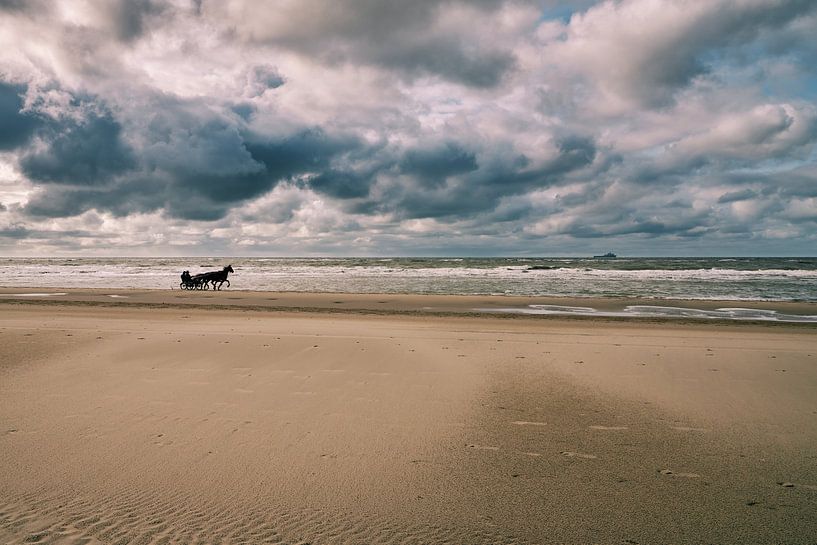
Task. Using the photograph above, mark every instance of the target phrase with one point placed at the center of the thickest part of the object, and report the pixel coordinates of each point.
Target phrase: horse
(218, 277)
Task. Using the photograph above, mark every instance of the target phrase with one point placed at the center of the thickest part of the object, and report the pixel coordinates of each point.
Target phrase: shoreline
(497, 306)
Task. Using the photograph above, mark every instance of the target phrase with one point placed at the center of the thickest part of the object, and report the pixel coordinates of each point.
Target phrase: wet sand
(125, 422)
(356, 303)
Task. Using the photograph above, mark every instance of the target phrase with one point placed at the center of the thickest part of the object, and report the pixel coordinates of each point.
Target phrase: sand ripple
(139, 517)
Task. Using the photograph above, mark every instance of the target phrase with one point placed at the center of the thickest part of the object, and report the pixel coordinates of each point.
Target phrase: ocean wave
(706, 279)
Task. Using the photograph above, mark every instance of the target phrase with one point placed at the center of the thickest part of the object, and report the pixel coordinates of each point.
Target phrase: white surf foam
(650, 311)
(32, 294)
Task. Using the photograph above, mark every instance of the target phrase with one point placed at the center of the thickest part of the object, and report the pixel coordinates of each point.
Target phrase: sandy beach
(286, 418)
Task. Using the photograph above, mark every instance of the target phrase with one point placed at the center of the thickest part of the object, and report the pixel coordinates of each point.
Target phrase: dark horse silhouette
(217, 278)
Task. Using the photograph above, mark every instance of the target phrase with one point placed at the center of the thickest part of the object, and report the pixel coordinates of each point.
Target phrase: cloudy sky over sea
(393, 127)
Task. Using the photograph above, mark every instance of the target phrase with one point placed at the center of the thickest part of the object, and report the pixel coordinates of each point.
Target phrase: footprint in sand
(482, 447)
(688, 428)
(608, 428)
(794, 485)
(570, 454)
(670, 473)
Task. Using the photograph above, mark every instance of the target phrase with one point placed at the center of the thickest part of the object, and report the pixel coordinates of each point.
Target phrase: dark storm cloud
(736, 196)
(341, 184)
(446, 58)
(244, 110)
(16, 126)
(431, 166)
(87, 152)
(189, 193)
(129, 18)
(475, 190)
(263, 77)
(187, 159)
(626, 221)
(588, 193)
(394, 34)
(15, 232)
(307, 151)
(19, 232)
(312, 152)
(12, 5)
(121, 199)
(649, 173)
(798, 185)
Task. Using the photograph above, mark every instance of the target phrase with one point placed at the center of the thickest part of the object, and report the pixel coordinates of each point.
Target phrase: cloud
(736, 196)
(129, 18)
(768, 130)
(12, 5)
(182, 156)
(16, 125)
(425, 37)
(493, 126)
(263, 77)
(450, 182)
(645, 51)
(86, 152)
(432, 166)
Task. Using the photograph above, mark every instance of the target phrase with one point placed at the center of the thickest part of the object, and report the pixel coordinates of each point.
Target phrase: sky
(393, 127)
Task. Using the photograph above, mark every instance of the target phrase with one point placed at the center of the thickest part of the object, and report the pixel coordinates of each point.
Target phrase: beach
(139, 416)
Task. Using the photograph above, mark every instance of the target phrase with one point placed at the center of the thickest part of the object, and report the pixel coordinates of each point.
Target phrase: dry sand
(127, 424)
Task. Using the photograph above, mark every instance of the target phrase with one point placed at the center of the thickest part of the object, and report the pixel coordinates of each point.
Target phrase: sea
(707, 278)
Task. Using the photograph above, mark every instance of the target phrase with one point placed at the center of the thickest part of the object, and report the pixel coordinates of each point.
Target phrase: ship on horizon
(608, 255)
